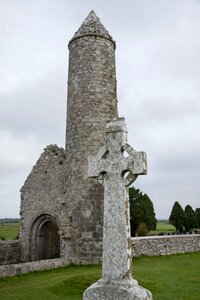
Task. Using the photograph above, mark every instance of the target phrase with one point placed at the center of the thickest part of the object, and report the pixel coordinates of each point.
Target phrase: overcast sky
(158, 74)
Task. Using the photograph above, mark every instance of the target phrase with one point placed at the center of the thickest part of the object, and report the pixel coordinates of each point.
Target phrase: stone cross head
(117, 158)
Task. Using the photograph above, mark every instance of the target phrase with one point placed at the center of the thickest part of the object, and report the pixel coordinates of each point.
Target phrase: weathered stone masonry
(91, 103)
(41, 205)
(10, 252)
(61, 209)
(23, 268)
(165, 245)
(148, 246)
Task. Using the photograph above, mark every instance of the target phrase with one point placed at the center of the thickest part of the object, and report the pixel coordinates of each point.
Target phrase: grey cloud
(36, 109)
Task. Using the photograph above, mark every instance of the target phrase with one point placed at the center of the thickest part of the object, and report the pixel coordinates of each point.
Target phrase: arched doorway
(45, 240)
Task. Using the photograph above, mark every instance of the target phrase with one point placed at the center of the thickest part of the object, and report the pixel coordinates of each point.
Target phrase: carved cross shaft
(118, 172)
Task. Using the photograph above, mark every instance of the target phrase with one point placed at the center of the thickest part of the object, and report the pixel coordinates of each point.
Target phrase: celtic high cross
(118, 171)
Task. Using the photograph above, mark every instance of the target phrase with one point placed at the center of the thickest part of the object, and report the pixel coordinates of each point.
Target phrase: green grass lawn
(162, 227)
(167, 277)
(165, 227)
(9, 231)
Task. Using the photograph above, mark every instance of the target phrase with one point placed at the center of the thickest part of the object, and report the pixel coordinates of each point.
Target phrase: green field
(165, 227)
(9, 231)
(167, 277)
(162, 227)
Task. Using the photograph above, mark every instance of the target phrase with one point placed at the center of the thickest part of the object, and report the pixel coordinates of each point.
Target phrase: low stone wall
(165, 245)
(9, 252)
(40, 265)
(149, 246)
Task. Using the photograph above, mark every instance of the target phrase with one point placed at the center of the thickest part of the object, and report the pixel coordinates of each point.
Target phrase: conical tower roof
(92, 26)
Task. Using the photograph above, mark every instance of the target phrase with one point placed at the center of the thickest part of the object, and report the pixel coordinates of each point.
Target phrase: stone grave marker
(118, 171)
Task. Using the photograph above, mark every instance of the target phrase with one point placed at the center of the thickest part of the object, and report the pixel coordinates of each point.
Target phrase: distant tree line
(185, 220)
(9, 220)
(142, 214)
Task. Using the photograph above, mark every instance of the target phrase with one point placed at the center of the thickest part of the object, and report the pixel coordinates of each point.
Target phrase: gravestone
(118, 171)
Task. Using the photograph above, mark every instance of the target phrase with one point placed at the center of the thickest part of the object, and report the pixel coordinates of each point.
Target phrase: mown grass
(165, 227)
(9, 231)
(162, 227)
(168, 278)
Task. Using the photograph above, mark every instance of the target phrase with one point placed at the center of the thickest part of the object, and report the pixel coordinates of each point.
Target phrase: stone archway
(45, 240)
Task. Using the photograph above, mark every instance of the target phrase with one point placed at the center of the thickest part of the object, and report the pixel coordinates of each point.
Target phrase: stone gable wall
(42, 194)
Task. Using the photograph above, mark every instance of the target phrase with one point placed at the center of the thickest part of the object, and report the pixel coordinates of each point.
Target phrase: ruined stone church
(61, 208)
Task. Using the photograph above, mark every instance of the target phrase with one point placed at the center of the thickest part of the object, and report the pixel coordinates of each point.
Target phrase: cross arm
(137, 161)
(95, 163)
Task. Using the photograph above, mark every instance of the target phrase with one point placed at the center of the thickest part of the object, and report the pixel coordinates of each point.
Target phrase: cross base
(124, 290)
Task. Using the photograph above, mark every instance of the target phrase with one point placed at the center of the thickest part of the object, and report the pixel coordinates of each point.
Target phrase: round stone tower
(91, 103)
